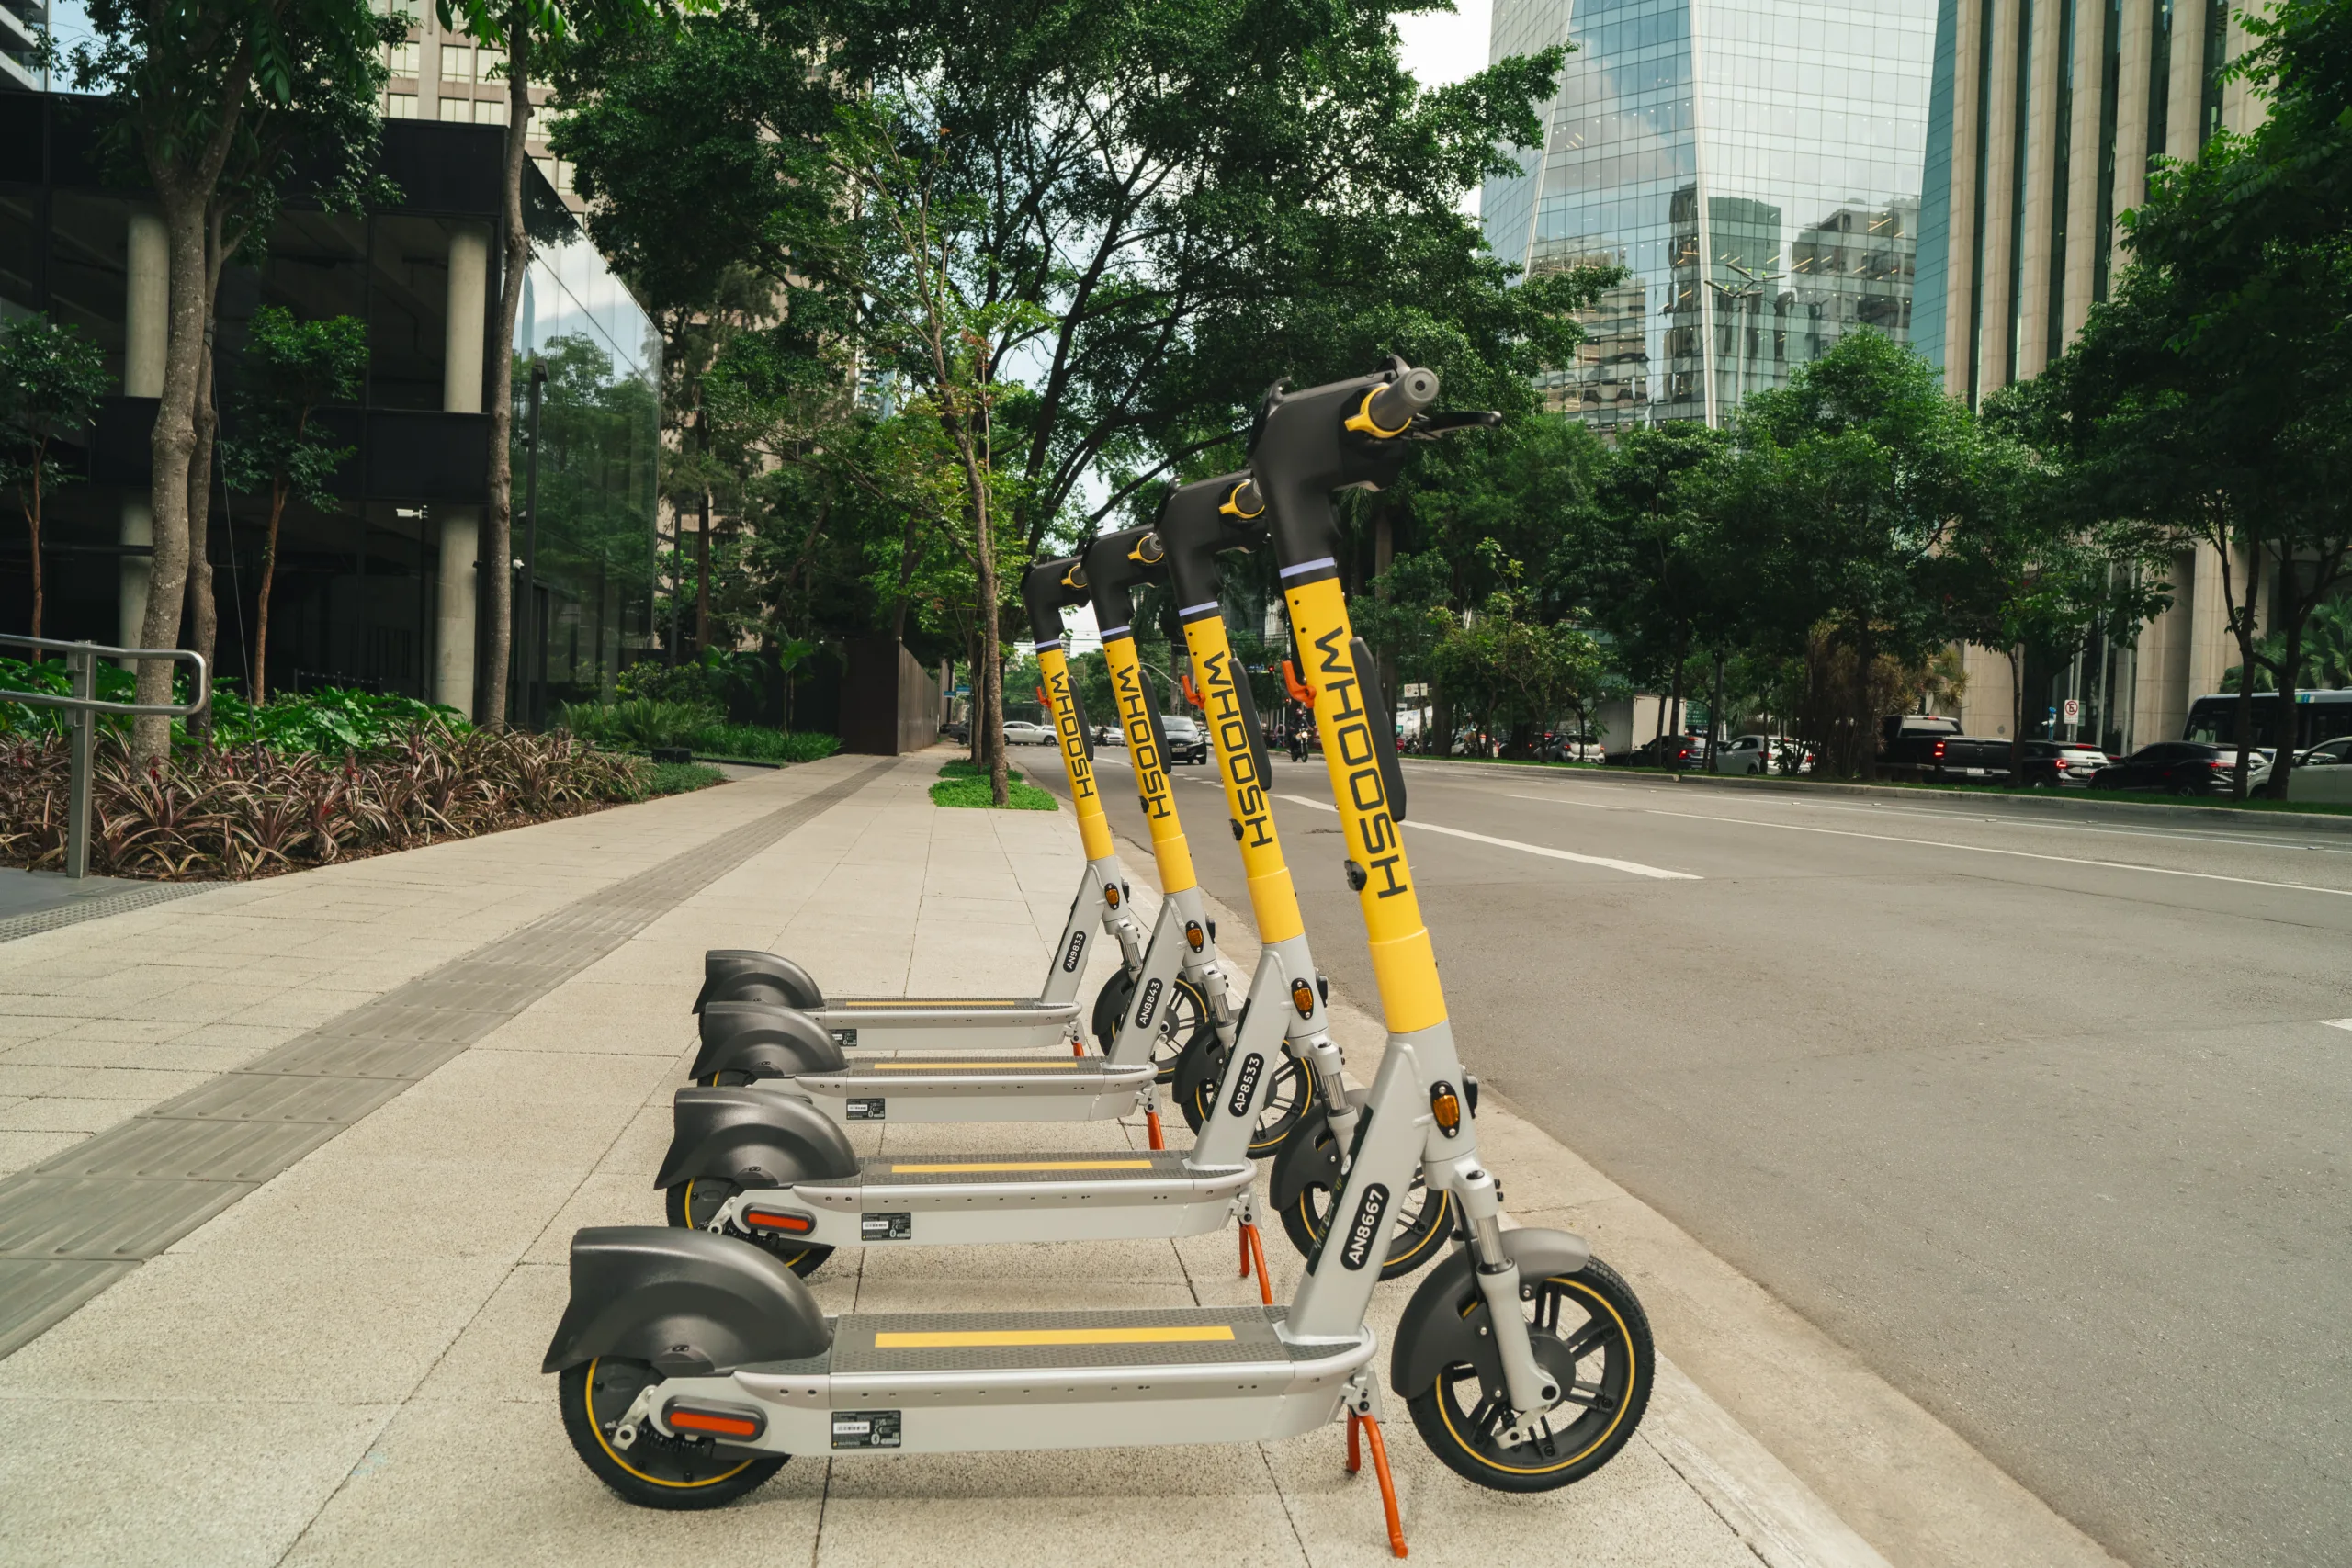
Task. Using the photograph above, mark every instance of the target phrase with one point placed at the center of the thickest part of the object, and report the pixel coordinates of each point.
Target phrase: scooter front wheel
(1288, 1100)
(652, 1471)
(691, 1204)
(1588, 1331)
(1425, 1219)
(1110, 1007)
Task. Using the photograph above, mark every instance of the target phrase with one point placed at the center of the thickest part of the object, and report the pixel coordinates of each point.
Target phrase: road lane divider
(2012, 854)
(1632, 867)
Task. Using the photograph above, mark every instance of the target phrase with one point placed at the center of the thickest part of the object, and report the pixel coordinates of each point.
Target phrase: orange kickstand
(1077, 1046)
(1151, 1121)
(1254, 1249)
(1355, 1453)
(1380, 1469)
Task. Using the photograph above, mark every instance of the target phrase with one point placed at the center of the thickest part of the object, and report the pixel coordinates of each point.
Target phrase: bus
(2319, 715)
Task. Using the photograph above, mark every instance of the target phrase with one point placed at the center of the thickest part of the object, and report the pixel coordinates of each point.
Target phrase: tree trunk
(203, 609)
(498, 547)
(172, 448)
(2017, 713)
(2289, 673)
(2241, 627)
(1673, 724)
(33, 522)
(1862, 747)
(268, 571)
(702, 577)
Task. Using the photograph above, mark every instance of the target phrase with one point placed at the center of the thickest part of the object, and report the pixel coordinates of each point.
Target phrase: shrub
(960, 783)
(758, 743)
(677, 778)
(251, 810)
(646, 722)
(329, 722)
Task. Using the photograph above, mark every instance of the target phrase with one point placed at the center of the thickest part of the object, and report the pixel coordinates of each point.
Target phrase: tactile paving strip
(82, 910)
(72, 1224)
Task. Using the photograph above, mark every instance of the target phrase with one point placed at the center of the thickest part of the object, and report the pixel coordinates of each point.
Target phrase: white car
(1752, 754)
(1020, 732)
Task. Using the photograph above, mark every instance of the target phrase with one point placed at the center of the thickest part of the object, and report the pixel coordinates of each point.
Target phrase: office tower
(2045, 120)
(1755, 167)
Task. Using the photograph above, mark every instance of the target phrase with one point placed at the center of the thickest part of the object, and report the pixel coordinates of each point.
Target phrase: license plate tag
(867, 1109)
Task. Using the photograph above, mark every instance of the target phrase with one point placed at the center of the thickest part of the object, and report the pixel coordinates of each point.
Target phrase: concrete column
(2132, 119)
(2241, 110)
(1995, 368)
(469, 315)
(453, 620)
(2042, 194)
(2082, 197)
(146, 320)
(2187, 114)
(1960, 260)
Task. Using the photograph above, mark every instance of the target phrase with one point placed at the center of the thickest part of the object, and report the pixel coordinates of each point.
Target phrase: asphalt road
(2043, 1121)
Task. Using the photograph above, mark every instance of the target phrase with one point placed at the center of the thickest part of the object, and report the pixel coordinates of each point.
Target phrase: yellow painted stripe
(1038, 1066)
(956, 1340)
(913, 1004)
(1024, 1165)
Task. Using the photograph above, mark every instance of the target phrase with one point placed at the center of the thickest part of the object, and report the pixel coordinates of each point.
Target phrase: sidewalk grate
(72, 1224)
(82, 910)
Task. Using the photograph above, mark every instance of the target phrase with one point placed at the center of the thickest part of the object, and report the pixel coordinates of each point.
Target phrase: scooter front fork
(1534, 1390)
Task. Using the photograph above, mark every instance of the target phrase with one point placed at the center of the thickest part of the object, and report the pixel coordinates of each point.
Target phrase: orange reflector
(769, 1220)
(717, 1423)
(1446, 1106)
(1193, 935)
(1110, 895)
(1302, 996)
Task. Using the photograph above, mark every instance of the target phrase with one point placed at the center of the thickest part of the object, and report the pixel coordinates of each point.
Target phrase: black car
(1666, 752)
(2058, 764)
(2181, 767)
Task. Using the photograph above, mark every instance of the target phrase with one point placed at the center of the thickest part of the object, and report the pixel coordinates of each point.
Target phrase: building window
(400, 105)
(489, 111)
(1984, 167)
(2111, 81)
(2016, 190)
(401, 59)
(2060, 179)
(2217, 53)
(2159, 80)
(460, 110)
(457, 64)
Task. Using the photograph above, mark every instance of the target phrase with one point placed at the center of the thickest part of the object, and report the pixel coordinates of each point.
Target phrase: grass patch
(960, 783)
(678, 778)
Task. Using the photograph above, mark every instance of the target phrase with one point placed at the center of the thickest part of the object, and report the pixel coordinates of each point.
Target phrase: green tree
(291, 369)
(522, 30)
(215, 101)
(51, 381)
(1512, 674)
(1844, 489)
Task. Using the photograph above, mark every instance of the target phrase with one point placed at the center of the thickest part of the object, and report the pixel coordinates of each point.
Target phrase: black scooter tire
(1414, 1246)
(677, 1205)
(654, 1471)
(1621, 1339)
(1110, 1005)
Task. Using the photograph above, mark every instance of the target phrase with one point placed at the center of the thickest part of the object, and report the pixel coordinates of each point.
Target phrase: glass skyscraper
(1756, 168)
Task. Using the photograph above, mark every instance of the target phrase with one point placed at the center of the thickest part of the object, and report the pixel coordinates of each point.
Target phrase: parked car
(1109, 735)
(959, 731)
(2333, 754)
(1557, 748)
(2183, 767)
(1020, 732)
(1927, 746)
(2058, 764)
(1751, 754)
(1666, 752)
(1187, 742)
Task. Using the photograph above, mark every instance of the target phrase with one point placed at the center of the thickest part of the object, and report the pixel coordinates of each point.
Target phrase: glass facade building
(1755, 167)
(383, 588)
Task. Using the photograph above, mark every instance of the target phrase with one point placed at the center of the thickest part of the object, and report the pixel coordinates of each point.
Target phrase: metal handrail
(92, 704)
(82, 707)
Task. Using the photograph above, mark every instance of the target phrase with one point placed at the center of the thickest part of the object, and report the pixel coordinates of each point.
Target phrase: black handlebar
(1047, 590)
(1394, 406)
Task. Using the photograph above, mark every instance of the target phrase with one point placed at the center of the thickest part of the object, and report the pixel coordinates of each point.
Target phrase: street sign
(2074, 710)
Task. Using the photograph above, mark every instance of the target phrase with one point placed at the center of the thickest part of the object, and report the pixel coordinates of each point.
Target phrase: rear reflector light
(730, 1422)
(1939, 752)
(770, 1220)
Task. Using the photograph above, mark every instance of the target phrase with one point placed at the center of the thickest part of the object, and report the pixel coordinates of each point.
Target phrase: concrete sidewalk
(341, 1363)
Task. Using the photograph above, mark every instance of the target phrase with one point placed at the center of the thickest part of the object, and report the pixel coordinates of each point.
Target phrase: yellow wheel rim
(588, 1400)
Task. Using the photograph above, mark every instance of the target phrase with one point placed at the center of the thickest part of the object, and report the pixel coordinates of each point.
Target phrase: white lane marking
(2234, 840)
(2338, 1022)
(2014, 854)
(1635, 867)
(1564, 800)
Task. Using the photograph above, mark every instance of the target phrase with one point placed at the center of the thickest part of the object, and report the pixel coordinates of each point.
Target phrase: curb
(2057, 806)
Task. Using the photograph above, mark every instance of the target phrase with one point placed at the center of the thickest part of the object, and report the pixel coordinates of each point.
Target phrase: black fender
(690, 1303)
(1308, 1157)
(748, 974)
(1201, 1065)
(764, 1042)
(1443, 1323)
(754, 1137)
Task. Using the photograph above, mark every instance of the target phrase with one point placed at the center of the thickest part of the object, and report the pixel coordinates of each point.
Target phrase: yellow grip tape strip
(963, 1338)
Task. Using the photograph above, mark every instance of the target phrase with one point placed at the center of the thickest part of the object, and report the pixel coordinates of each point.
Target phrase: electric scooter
(1177, 994)
(692, 1365)
(766, 1164)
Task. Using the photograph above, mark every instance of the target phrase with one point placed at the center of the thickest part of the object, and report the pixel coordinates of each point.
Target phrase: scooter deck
(978, 1088)
(940, 1023)
(934, 1382)
(965, 1199)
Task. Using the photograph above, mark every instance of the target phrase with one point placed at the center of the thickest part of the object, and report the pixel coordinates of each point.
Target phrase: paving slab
(343, 1365)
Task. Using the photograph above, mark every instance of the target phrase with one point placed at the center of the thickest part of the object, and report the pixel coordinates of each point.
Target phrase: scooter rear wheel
(653, 1472)
(1589, 1332)
(691, 1204)
(1418, 1238)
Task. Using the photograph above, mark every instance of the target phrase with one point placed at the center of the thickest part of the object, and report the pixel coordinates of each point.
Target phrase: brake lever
(1429, 426)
